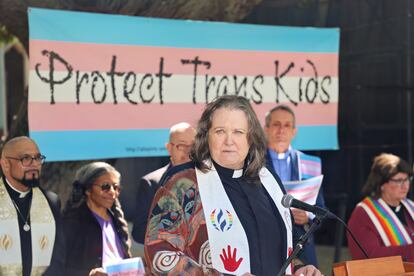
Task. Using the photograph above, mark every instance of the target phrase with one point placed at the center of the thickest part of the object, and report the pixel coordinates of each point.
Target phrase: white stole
(409, 205)
(224, 228)
(43, 231)
(392, 232)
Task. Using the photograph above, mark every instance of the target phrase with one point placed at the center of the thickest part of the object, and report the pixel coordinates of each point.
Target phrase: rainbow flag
(109, 86)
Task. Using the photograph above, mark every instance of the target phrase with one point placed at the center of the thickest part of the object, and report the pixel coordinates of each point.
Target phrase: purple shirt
(111, 245)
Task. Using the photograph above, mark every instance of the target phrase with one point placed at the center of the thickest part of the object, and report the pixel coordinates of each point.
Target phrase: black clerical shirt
(399, 212)
(264, 227)
(25, 236)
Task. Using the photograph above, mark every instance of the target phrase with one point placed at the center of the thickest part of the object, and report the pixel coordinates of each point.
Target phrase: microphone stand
(302, 240)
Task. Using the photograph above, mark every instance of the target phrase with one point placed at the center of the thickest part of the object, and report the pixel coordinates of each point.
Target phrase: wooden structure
(386, 266)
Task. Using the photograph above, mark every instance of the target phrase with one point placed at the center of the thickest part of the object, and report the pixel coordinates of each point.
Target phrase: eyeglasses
(182, 147)
(106, 187)
(287, 125)
(401, 181)
(27, 160)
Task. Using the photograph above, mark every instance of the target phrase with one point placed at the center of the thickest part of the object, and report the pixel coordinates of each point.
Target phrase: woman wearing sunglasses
(95, 229)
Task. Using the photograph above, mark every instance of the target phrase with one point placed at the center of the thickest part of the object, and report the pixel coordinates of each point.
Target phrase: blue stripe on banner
(316, 138)
(307, 176)
(308, 157)
(101, 144)
(133, 30)
(104, 144)
(290, 186)
(123, 268)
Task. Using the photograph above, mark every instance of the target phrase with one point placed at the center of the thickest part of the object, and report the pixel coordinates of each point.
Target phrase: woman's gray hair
(255, 136)
(283, 107)
(87, 174)
(85, 177)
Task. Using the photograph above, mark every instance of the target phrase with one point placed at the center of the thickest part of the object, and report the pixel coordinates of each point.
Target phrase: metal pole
(3, 98)
(408, 84)
(339, 229)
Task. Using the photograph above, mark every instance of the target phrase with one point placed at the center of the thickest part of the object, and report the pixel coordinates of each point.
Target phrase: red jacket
(365, 232)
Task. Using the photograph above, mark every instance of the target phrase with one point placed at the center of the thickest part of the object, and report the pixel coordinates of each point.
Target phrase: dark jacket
(83, 236)
(308, 253)
(148, 186)
(57, 262)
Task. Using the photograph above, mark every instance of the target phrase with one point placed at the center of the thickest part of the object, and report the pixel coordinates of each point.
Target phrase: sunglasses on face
(106, 187)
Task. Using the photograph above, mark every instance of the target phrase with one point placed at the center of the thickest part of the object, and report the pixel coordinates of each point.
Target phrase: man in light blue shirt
(290, 164)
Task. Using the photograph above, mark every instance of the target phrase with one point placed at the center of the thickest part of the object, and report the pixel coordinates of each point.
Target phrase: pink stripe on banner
(311, 163)
(306, 114)
(306, 198)
(312, 168)
(88, 57)
(89, 116)
(301, 190)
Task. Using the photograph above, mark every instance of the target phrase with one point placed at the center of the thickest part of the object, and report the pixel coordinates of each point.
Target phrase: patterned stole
(42, 232)
(390, 228)
(309, 166)
(229, 248)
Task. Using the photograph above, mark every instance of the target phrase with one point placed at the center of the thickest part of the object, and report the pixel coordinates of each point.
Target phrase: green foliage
(5, 36)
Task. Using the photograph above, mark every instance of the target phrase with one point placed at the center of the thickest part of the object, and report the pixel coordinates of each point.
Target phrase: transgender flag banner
(125, 267)
(304, 190)
(110, 86)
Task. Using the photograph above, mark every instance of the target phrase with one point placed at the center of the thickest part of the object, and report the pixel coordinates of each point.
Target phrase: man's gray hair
(276, 108)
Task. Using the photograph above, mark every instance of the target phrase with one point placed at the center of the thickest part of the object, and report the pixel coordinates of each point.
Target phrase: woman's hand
(97, 272)
(308, 270)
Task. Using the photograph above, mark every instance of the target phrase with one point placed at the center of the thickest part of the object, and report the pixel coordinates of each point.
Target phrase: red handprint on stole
(229, 260)
(292, 265)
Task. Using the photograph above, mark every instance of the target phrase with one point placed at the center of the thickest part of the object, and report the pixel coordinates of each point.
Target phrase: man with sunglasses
(181, 139)
(30, 230)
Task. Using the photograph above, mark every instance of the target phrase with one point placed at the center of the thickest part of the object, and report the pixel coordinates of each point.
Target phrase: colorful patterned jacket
(177, 229)
(176, 240)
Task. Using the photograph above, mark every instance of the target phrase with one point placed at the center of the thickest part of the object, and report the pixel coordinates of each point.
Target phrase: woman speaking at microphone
(222, 212)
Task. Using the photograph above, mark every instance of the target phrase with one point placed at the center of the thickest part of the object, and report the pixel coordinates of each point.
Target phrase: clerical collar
(395, 209)
(280, 156)
(228, 172)
(19, 193)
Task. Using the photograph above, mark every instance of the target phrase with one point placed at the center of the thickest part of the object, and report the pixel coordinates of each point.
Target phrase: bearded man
(31, 242)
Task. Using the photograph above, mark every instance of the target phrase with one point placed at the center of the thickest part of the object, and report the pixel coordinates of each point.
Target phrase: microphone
(288, 201)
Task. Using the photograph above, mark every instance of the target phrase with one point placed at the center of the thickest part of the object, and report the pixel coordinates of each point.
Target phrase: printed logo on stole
(6, 242)
(222, 221)
(229, 259)
(5, 213)
(292, 265)
(43, 242)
